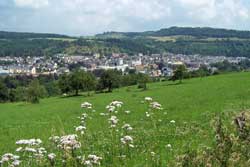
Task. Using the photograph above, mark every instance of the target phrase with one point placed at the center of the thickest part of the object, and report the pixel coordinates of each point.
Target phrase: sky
(89, 17)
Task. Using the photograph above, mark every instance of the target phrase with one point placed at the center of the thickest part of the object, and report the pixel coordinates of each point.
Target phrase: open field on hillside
(190, 38)
(63, 39)
(190, 105)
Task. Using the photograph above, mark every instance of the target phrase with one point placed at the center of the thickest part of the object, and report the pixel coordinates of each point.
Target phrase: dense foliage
(18, 35)
(14, 88)
(186, 31)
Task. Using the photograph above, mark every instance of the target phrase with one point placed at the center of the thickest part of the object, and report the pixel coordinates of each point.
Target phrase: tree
(179, 73)
(82, 81)
(76, 80)
(10, 82)
(35, 91)
(52, 88)
(89, 82)
(3, 92)
(21, 93)
(64, 83)
(143, 79)
(203, 71)
(129, 79)
(110, 79)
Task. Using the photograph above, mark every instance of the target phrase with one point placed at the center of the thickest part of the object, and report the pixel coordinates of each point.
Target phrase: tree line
(31, 89)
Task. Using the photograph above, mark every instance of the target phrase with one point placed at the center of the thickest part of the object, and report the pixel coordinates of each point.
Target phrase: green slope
(191, 105)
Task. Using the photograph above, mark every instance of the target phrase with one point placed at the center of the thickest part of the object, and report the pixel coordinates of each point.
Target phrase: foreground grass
(191, 105)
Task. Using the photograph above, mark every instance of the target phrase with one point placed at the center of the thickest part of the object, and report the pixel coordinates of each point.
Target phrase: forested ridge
(179, 40)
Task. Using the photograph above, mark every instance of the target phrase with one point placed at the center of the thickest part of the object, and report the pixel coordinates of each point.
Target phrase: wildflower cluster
(127, 127)
(31, 147)
(92, 160)
(127, 140)
(155, 105)
(114, 106)
(68, 142)
(152, 106)
(82, 127)
(86, 105)
(148, 99)
(69, 148)
(113, 121)
(51, 158)
(10, 159)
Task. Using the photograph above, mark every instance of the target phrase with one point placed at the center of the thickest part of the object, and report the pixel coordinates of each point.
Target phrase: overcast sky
(88, 17)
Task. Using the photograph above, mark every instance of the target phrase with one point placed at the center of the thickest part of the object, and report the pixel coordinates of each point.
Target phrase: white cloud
(196, 3)
(215, 12)
(106, 15)
(31, 3)
(96, 16)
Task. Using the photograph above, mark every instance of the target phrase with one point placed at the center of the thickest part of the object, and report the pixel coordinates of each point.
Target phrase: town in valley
(155, 65)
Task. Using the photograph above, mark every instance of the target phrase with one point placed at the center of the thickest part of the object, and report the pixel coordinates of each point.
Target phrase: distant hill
(24, 35)
(178, 40)
(199, 32)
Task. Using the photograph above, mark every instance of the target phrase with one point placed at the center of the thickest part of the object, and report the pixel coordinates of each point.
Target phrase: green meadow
(192, 105)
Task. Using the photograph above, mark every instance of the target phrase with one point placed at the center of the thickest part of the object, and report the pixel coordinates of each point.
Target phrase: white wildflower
(86, 105)
(19, 149)
(116, 103)
(113, 121)
(127, 112)
(131, 145)
(94, 159)
(69, 142)
(51, 156)
(156, 105)
(30, 142)
(16, 163)
(113, 106)
(127, 140)
(110, 108)
(173, 121)
(88, 163)
(168, 146)
(80, 128)
(54, 139)
(102, 114)
(84, 116)
(147, 114)
(41, 151)
(153, 154)
(10, 159)
(29, 149)
(148, 99)
(127, 127)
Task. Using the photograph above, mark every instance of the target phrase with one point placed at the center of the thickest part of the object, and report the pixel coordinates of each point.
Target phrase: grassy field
(192, 104)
